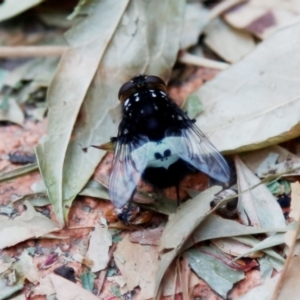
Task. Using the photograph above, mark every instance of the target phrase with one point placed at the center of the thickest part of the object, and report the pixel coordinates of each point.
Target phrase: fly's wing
(193, 146)
(129, 162)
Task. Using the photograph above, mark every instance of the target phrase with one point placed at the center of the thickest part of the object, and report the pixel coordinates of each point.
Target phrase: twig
(32, 51)
(191, 59)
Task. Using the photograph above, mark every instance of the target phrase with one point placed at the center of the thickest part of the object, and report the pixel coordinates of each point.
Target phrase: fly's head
(141, 83)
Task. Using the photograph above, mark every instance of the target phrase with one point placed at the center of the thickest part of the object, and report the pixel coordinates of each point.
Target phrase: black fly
(157, 142)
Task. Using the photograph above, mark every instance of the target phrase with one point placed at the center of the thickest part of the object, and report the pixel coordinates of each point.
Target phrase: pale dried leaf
(218, 275)
(29, 268)
(45, 287)
(271, 160)
(117, 42)
(179, 228)
(261, 292)
(216, 227)
(242, 101)
(30, 224)
(257, 206)
(195, 19)
(137, 265)
(13, 113)
(147, 236)
(67, 290)
(264, 17)
(98, 250)
(229, 43)
(291, 281)
(295, 214)
(11, 8)
(234, 247)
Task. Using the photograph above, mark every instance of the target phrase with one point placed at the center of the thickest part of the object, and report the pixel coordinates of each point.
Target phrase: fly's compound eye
(155, 82)
(125, 88)
(155, 79)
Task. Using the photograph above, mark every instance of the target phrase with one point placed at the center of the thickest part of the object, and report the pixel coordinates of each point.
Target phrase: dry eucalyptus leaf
(264, 17)
(234, 248)
(257, 206)
(291, 281)
(13, 113)
(271, 241)
(45, 287)
(98, 251)
(271, 160)
(255, 243)
(252, 104)
(30, 270)
(179, 228)
(229, 43)
(216, 273)
(137, 265)
(127, 41)
(30, 224)
(295, 214)
(11, 8)
(195, 19)
(261, 292)
(147, 236)
(214, 227)
(67, 290)
(40, 70)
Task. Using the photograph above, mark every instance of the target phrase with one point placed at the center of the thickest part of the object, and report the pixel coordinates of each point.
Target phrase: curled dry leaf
(256, 207)
(241, 102)
(117, 40)
(30, 224)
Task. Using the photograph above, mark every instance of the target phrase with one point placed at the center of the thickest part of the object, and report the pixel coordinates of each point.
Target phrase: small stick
(32, 51)
(195, 60)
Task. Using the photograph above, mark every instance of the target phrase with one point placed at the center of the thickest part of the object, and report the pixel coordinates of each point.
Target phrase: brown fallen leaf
(147, 236)
(98, 251)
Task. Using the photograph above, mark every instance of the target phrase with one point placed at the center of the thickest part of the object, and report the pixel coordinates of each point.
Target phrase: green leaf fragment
(87, 280)
(217, 275)
(18, 172)
(116, 291)
(193, 106)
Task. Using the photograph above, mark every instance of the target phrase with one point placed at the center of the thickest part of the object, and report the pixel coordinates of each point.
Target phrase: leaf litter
(195, 221)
